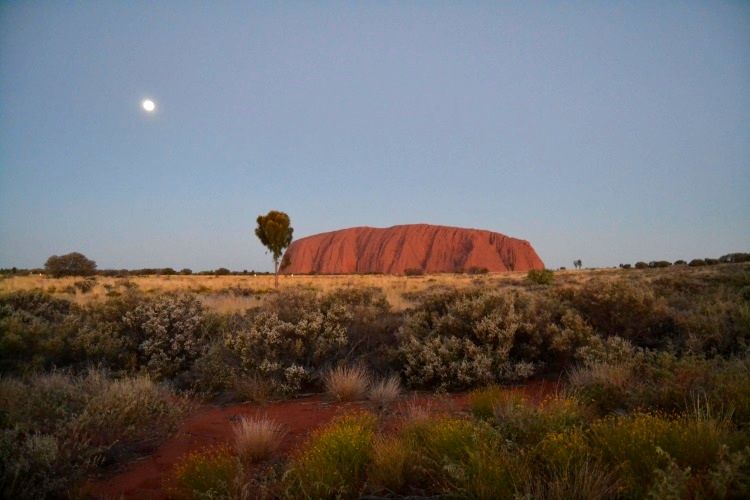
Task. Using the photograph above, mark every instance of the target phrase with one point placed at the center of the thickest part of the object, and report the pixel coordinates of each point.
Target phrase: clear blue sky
(606, 131)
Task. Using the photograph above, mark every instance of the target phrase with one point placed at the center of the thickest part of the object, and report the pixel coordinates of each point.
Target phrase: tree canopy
(72, 264)
(275, 232)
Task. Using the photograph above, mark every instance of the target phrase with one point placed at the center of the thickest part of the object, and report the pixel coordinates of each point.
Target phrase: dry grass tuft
(386, 391)
(347, 383)
(256, 438)
(254, 389)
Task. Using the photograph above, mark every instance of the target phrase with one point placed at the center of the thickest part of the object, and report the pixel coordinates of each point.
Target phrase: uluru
(393, 250)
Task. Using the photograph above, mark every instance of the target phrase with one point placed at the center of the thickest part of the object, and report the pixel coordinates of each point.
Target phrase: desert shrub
(385, 391)
(523, 422)
(659, 263)
(42, 403)
(102, 336)
(34, 331)
(437, 444)
(697, 263)
(605, 386)
(610, 350)
(130, 415)
(663, 381)
(641, 265)
(214, 372)
(477, 270)
(252, 388)
(715, 324)
(347, 383)
(642, 444)
(414, 271)
(626, 309)
(541, 276)
(461, 338)
(37, 465)
(209, 473)
(298, 336)
(586, 479)
(171, 333)
(255, 439)
(333, 463)
(443, 455)
(389, 470)
(85, 286)
(59, 426)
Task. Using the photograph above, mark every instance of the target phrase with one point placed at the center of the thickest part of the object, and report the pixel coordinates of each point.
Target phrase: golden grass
(347, 383)
(237, 293)
(257, 438)
(385, 391)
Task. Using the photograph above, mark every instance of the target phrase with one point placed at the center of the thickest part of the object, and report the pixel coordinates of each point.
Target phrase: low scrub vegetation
(658, 355)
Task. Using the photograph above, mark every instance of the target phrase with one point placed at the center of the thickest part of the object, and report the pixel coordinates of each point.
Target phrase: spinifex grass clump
(347, 383)
(256, 438)
(385, 391)
(332, 464)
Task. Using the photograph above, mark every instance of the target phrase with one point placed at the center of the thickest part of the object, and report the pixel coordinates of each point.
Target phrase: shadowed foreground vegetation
(654, 397)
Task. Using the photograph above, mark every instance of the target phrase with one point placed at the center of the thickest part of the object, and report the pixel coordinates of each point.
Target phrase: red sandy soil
(434, 249)
(143, 478)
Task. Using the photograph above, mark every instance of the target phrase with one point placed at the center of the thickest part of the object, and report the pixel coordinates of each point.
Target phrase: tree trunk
(276, 272)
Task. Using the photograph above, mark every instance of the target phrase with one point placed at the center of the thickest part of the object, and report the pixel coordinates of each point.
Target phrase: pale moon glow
(148, 105)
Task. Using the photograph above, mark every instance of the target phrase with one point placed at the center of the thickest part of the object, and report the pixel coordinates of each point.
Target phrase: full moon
(148, 105)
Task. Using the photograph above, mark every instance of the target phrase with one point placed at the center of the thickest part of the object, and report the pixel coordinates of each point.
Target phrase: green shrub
(541, 276)
(333, 463)
(642, 444)
(209, 473)
(34, 328)
(42, 465)
(629, 310)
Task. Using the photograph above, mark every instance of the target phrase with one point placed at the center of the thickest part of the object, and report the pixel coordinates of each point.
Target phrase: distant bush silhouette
(72, 264)
(659, 263)
(735, 257)
(222, 271)
(186, 271)
(697, 262)
(641, 265)
(414, 271)
(680, 263)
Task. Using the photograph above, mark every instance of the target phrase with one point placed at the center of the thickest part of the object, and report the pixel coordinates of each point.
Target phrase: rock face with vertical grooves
(392, 250)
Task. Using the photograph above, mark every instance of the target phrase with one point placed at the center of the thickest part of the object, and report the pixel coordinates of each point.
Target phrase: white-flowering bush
(458, 339)
(171, 333)
(291, 352)
(612, 350)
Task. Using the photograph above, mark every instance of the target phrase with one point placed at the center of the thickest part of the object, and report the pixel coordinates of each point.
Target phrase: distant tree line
(76, 264)
(724, 259)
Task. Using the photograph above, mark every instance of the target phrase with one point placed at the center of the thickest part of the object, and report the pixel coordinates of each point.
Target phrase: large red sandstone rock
(433, 249)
